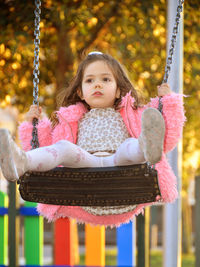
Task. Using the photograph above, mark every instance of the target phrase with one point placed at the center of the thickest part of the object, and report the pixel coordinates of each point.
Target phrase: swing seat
(107, 186)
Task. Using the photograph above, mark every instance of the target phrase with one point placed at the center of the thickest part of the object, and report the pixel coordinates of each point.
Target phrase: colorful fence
(3, 228)
(65, 240)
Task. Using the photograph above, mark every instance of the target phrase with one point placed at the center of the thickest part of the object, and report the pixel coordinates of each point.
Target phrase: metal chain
(171, 48)
(36, 72)
(173, 41)
(171, 52)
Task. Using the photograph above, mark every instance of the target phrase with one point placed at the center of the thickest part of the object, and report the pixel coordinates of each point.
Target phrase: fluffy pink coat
(67, 128)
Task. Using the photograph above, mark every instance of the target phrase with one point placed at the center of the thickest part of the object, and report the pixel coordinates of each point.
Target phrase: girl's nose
(98, 85)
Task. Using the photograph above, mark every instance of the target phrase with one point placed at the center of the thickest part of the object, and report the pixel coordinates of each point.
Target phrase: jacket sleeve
(173, 113)
(65, 131)
(44, 133)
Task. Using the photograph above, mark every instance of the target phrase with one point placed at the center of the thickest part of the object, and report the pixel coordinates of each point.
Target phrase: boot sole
(153, 133)
(6, 161)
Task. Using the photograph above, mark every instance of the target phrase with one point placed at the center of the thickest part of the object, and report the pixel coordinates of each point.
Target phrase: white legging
(68, 154)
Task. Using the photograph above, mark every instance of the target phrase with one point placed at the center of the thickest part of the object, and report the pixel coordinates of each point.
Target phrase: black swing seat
(107, 186)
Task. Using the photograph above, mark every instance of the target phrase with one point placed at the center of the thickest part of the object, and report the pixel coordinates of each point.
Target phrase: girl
(100, 123)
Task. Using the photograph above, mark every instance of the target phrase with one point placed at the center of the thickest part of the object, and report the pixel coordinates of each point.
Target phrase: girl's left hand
(164, 89)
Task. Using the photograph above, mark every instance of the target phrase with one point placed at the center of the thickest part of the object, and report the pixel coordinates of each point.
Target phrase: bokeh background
(134, 32)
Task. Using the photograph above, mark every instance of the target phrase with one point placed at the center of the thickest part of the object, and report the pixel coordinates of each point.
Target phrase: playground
(157, 42)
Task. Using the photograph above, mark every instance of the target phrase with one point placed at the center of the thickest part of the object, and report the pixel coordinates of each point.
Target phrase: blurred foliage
(132, 31)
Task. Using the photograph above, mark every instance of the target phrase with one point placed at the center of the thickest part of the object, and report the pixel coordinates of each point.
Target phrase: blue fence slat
(3, 211)
(125, 245)
(28, 211)
(24, 211)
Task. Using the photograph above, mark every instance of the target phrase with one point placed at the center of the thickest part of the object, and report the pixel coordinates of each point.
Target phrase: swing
(104, 186)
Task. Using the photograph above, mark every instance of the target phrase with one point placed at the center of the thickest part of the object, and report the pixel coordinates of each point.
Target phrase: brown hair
(69, 95)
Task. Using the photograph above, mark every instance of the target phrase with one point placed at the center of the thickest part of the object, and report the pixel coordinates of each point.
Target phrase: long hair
(69, 95)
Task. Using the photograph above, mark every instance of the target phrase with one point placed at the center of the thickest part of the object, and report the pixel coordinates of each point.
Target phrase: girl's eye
(88, 80)
(106, 79)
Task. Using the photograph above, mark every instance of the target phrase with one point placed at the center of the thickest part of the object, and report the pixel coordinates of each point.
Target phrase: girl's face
(99, 87)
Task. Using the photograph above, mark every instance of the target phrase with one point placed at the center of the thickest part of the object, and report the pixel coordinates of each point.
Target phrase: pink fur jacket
(173, 114)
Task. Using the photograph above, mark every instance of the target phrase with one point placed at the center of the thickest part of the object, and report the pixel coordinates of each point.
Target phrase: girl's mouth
(97, 93)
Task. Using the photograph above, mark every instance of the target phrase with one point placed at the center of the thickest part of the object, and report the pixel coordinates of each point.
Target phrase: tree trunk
(65, 58)
(186, 225)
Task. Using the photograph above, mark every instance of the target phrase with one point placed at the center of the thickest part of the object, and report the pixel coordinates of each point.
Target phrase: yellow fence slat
(94, 245)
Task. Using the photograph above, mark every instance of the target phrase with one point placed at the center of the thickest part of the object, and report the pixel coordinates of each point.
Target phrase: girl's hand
(164, 89)
(34, 112)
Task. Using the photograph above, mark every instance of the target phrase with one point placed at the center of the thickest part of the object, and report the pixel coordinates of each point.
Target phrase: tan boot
(13, 160)
(152, 135)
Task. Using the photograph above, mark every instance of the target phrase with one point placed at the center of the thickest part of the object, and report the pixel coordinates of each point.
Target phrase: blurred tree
(132, 31)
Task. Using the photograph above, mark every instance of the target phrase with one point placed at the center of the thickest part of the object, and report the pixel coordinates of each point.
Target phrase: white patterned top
(101, 130)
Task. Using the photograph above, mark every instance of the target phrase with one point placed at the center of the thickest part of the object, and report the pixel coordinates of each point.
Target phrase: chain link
(173, 41)
(36, 72)
(171, 48)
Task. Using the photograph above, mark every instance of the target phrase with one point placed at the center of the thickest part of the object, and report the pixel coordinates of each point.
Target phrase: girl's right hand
(34, 112)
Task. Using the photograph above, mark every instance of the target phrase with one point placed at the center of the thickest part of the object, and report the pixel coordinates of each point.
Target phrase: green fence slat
(3, 231)
(33, 238)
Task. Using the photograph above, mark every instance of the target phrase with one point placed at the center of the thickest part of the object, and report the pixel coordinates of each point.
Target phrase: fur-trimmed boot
(152, 135)
(13, 160)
